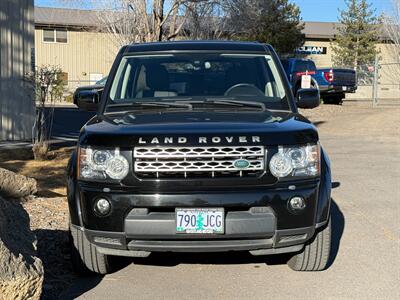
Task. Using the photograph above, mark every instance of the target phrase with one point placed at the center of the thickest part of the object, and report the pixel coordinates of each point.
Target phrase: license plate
(306, 81)
(200, 220)
(344, 88)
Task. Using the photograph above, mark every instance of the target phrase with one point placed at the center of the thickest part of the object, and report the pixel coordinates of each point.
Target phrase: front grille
(178, 162)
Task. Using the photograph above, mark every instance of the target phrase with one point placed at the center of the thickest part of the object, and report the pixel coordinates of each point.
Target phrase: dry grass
(50, 174)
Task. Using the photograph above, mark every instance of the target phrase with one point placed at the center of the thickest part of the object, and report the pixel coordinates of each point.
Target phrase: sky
(311, 10)
(328, 10)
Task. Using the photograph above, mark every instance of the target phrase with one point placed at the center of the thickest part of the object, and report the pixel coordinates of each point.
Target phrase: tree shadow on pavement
(53, 250)
(80, 286)
(84, 283)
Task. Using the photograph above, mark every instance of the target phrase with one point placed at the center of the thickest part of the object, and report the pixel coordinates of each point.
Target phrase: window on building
(48, 35)
(61, 36)
(51, 35)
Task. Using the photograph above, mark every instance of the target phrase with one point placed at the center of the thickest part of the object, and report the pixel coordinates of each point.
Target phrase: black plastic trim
(283, 241)
(203, 246)
(161, 225)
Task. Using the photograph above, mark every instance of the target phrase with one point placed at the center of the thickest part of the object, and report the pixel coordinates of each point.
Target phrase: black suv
(198, 147)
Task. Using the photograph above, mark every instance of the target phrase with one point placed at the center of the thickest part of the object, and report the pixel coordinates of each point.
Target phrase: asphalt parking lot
(364, 148)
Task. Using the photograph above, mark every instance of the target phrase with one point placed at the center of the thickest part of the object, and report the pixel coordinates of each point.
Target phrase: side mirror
(88, 99)
(308, 98)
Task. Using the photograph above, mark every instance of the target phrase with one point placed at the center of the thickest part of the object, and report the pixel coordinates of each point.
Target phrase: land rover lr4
(198, 147)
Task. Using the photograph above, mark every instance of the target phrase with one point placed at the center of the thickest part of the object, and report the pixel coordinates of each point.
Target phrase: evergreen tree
(355, 45)
(276, 22)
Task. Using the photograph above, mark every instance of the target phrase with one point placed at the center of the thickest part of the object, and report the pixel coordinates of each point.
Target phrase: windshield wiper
(237, 103)
(152, 104)
(189, 104)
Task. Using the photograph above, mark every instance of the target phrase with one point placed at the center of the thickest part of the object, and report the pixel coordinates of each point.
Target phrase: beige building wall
(388, 73)
(321, 60)
(84, 54)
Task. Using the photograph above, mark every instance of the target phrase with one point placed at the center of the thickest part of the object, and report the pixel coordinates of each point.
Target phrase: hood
(198, 127)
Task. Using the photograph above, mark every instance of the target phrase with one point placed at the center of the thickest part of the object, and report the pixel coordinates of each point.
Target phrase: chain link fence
(380, 82)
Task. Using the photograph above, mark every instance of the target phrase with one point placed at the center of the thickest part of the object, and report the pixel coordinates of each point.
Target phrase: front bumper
(335, 89)
(257, 220)
(124, 201)
(118, 244)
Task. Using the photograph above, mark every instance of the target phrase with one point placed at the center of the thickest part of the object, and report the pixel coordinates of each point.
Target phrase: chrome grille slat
(187, 166)
(164, 152)
(209, 161)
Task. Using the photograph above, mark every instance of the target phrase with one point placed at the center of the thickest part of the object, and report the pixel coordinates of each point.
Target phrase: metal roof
(88, 18)
(320, 29)
(65, 17)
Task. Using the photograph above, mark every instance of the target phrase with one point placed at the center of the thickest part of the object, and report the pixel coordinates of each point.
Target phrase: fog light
(102, 206)
(297, 203)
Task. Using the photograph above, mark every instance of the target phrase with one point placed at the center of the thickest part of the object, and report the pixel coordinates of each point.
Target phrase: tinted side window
(304, 65)
(311, 66)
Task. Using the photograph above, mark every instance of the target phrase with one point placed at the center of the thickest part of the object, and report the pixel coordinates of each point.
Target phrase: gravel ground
(361, 119)
(323, 112)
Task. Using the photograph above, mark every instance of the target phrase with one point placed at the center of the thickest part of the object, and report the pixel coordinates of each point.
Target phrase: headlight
(102, 164)
(296, 161)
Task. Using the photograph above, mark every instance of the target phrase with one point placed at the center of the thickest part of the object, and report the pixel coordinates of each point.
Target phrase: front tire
(85, 258)
(315, 255)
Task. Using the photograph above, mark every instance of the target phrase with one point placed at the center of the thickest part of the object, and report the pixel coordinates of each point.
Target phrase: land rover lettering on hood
(198, 147)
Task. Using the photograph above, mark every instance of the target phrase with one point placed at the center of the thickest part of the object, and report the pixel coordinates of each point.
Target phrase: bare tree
(130, 21)
(47, 80)
(206, 21)
(392, 28)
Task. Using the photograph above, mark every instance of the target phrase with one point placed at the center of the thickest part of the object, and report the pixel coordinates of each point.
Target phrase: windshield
(197, 76)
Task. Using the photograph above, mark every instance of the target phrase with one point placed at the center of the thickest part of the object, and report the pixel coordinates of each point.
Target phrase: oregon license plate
(200, 220)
